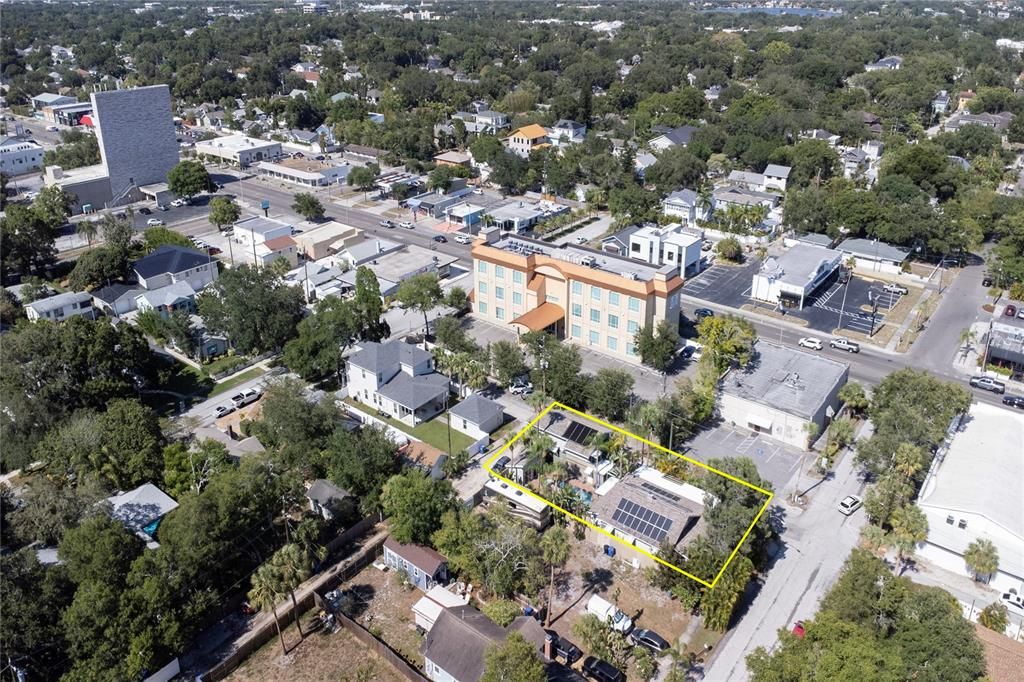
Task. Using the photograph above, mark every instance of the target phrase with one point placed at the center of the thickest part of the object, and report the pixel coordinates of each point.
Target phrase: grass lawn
(178, 378)
(225, 386)
(434, 432)
(224, 363)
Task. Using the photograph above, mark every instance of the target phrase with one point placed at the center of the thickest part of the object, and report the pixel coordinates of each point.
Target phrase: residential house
(351, 73)
(116, 299)
(398, 379)
(61, 307)
(305, 67)
(576, 443)
(998, 122)
(320, 240)
(179, 296)
(773, 178)
(524, 140)
(141, 510)
(423, 567)
(527, 508)
(170, 264)
(713, 93)
(60, 54)
(264, 240)
(963, 100)
(686, 205)
(872, 122)
(783, 392)
(326, 499)
(476, 416)
(791, 279)
(325, 137)
(822, 135)
(567, 132)
(237, 447)
(482, 122)
(438, 598)
(318, 280)
(891, 63)
(453, 158)
(49, 99)
(673, 137)
(855, 163)
(311, 77)
(374, 95)
(740, 195)
(940, 105)
(207, 345)
(873, 255)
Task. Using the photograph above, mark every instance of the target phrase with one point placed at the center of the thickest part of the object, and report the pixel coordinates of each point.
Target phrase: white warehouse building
(782, 392)
(973, 492)
(793, 277)
(240, 150)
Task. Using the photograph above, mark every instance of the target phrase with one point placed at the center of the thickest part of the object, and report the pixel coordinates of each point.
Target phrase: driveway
(775, 461)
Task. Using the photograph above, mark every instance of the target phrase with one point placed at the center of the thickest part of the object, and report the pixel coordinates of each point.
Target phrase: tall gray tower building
(135, 130)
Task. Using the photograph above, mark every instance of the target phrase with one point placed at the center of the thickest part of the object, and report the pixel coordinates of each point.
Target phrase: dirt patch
(384, 608)
(320, 656)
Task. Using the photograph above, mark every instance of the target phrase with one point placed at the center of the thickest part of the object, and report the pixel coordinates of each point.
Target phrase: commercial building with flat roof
(871, 254)
(306, 172)
(590, 297)
(392, 266)
(793, 277)
(19, 156)
(240, 150)
(973, 492)
(782, 391)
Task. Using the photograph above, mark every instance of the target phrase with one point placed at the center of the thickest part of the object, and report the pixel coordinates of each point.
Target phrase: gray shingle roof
(375, 357)
(57, 302)
(459, 639)
(867, 248)
(324, 492)
(169, 259)
(415, 392)
(680, 135)
(685, 196)
(476, 409)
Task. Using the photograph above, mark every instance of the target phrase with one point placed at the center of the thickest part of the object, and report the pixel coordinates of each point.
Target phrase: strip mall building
(595, 299)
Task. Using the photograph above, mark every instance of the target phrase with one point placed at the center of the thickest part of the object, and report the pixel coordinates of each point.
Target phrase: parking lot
(775, 461)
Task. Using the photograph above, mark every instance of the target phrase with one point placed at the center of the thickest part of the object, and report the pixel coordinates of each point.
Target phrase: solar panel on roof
(642, 521)
(579, 433)
(659, 491)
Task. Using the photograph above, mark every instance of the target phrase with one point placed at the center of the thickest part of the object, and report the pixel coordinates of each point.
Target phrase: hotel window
(481, 307)
(632, 327)
(499, 313)
(613, 343)
(517, 298)
(551, 298)
(613, 321)
(577, 310)
(595, 315)
(576, 333)
(499, 272)
(634, 304)
(630, 349)
(483, 287)
(499, 293)
(517, 277)
(595, 293)
(481, 267)
(613, 298)
(595, 338)
(577, 287)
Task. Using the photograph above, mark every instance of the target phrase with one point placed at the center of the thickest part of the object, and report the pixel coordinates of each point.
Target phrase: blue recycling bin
(609, 550)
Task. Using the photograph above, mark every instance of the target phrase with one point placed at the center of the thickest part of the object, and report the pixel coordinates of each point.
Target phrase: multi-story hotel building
(595, 299)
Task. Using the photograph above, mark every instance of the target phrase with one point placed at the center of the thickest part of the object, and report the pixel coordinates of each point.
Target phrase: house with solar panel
(576, 442)
(647, 510)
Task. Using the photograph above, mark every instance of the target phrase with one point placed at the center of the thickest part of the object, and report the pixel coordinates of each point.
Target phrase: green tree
(853, 396)
(155, 237)
(28, 243)
(292, 567)
(730, 250)
(507, 362)
(514, 660)
(308, 206)
(719, 603)
(415, 504)
(995, 617)
(452, 337)
(223, 211)
(502, 611)
(189, 468)
(608, 393)
(369, 306)
(676, 167)
(554, 548)
(362, 178)
(726, 340)
(645, 663)
(88, 229)
(130, 452)
(323, 338)
(49, 510)
(420, 292)
(53, 205)
(362, 463)
(909, 528)
(254, 308)
(456, 297)
(657, 347)
(188, 178)
(982, 558)
(99, 550)
(264, 594)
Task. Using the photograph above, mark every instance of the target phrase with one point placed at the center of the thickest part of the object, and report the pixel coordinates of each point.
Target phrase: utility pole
(842, 308)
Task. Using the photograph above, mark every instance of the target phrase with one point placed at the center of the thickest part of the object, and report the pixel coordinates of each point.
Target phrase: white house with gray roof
(61, 307)
(476, 416)
(686, 205)
(398, 379)
(782, 391)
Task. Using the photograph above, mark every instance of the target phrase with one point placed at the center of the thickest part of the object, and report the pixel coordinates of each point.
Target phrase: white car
(478, 190)
(581, 240)
(1013, 601)
(179, 202)
(406, 224)
(896, 289)
(810, 342)
(850, 504)
(154, 222)
(462, 239)
(223, 410)
(51, 129)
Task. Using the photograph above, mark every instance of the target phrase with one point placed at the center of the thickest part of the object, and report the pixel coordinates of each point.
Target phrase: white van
(609, 613)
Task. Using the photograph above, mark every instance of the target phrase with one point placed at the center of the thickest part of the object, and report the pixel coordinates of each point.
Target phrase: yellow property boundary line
(554, 404)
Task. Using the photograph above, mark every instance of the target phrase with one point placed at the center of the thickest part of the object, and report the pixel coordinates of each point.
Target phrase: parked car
(246, 397)
(161, 207)
(609, 613)
(706, 245)
(145, 211)
(581, 240)
(154, 222)
(810, 342)
(51, 129)
(701, 313)
(387, 223)
(520, 387)
(179, 202)
(1013, 601)
(987, 281)
(440, 239)
(406, 224)
(602, 671)
(1011, 311)
(1014, 401)
(650, 640)
(463, 239)
(850, 504)
(843, 343)
(478, 190)
(564, 648)
(686, 352)
(988, 384)
(223, 410)
(894, 288)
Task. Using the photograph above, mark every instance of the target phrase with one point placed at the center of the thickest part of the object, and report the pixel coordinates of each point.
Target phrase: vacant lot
(385, 609)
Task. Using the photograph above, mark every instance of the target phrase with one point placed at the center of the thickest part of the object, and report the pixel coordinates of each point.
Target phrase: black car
(1014, 401)
(603, 671)
(650, 640)
(701, 313)
(687, 352)
(986, 281)
(145, 211)
(564, 648)
(441, 239)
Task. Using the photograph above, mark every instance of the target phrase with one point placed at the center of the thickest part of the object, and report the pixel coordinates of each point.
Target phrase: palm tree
(536, 449)
(967, 337)
(475, 375)
(263, 595)
(554, 548)
(982, 558)
(88, 229)
(909, 527)
(291, 566)
(614, 449)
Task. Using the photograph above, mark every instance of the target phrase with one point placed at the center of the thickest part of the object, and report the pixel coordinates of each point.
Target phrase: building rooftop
(477, 409)
(368, 249)
(45, 305)
(169, 295)
(459, 640)
(82, 174)
(326, 492)
(453, 157)
(259, 224)
(401, 264)
(236, 143)
(530, 132)
(598, 260)
(423, 558)
(685, 196)
(415, 392)
(515, 495)
(169, 259)
(815, 239)
(982, 473)
(786, 379)
(374, 357)
(680, 135)
(652, 508)
(799, 265)
(138, 509)
(873, 249)
(775, 171)
(462, 210)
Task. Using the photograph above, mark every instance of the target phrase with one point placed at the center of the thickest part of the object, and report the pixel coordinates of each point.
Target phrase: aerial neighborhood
(512, 341)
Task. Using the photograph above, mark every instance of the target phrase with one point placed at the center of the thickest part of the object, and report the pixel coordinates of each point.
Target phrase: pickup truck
(246, 397)
(843, 343)
(609, 613)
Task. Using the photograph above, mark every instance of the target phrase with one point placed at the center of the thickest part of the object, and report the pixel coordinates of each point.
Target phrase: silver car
(850, 504)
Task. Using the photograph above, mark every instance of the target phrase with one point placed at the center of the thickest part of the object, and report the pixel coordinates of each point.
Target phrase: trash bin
(609, 550)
